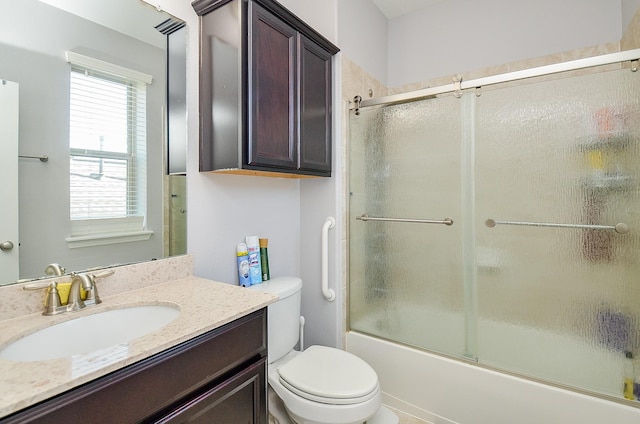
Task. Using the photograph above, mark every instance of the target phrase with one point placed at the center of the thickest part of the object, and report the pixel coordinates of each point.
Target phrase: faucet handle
(104, 274)
(36, 286)
(52, 303)
(92, 294)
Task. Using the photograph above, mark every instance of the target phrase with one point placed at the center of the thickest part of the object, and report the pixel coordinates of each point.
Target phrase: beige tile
(356, 81)
(526, 64)
(631, 38)
(406, 418)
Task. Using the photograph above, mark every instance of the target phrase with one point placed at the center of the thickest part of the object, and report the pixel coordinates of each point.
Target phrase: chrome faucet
(75, 300)
(85, 280)
(88, 282)
(54, 269)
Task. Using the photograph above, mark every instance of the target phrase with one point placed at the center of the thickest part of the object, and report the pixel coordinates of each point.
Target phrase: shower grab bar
(328, 293)
(365, 217)
(619, 228)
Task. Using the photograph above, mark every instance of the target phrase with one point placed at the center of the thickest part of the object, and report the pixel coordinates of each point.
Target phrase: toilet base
(278, 413)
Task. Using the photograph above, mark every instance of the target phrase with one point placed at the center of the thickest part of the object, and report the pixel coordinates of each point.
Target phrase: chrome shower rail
(619, 228)
(458, 84)
(365, 217)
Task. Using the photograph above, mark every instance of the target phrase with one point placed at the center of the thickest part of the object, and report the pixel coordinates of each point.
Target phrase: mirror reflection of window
(107, 142)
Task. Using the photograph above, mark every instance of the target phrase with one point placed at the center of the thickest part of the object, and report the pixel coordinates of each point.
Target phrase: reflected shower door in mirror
(113, 165)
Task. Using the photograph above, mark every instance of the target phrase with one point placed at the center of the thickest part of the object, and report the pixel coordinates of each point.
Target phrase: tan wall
(631, 38)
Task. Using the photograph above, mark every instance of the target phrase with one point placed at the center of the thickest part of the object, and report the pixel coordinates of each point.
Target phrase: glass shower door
(558, 295)
(405, 278)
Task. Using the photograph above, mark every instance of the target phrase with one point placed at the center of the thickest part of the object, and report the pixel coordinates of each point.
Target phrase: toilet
(320, 385)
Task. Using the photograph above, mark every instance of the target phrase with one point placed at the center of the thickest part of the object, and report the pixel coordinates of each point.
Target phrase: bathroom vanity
(207, 365)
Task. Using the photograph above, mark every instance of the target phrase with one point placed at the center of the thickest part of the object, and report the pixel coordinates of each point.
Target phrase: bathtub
(440, 390)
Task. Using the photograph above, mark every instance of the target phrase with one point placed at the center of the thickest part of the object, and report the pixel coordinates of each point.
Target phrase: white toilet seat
(328, 400)
(307, 411)
(329, 375)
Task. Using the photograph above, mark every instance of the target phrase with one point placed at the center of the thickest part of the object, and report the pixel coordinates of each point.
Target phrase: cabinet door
(315, 106)
(272, 93)
(241, 400)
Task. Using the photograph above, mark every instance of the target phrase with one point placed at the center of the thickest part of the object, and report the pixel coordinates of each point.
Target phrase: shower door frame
(459, 87)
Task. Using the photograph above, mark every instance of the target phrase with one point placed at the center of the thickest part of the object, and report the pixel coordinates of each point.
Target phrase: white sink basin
(89, 333)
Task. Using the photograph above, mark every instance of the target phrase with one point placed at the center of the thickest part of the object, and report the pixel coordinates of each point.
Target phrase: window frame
(85, 232)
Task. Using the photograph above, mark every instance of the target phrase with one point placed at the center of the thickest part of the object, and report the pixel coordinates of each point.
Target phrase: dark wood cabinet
(236, 400)
(265, 91)
(315, 106)
(218, 377)
(273, 95)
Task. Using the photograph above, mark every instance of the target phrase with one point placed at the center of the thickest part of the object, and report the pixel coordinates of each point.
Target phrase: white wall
(363, 33)
(318, 200)
(320, 15)
(455, 36)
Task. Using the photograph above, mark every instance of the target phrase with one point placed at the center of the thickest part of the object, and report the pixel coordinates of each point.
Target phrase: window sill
(75, 242)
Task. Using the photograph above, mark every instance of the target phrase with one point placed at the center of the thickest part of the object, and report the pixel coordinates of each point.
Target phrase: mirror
(34, 40)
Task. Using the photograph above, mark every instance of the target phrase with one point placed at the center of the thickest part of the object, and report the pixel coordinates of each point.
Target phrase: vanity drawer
(142, 390)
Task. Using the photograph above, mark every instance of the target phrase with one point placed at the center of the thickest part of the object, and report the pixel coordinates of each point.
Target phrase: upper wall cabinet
(265, 91)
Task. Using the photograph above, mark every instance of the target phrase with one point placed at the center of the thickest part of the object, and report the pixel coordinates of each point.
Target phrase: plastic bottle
(628, 376)
(636, 380)
(243, 265)
(255, 268)
(264, 258)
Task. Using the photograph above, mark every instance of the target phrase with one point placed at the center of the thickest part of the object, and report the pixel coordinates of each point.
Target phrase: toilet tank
(283, 316)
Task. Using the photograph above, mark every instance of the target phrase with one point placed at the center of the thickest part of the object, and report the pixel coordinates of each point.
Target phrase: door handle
(6, 246)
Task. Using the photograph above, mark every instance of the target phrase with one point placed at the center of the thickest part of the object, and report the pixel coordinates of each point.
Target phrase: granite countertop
(204, 305)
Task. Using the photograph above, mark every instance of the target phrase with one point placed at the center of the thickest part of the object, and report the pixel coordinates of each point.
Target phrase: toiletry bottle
(628, 376)
(264, 259)
(255, 269)
(243, 265)
(636, 379)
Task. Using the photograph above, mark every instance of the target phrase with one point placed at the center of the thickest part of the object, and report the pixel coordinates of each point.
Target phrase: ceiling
(394, 8)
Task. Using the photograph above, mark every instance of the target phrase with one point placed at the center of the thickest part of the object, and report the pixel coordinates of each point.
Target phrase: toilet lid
(323, 373)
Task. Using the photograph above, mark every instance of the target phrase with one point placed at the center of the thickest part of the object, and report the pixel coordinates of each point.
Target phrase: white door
(9, 263)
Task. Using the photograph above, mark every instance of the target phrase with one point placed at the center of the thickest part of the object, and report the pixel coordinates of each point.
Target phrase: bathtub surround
(428, 386)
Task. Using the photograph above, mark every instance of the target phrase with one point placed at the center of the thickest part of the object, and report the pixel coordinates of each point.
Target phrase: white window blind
(107, 140)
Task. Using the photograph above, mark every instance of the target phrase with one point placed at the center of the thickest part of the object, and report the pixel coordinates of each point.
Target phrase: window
(107, 142)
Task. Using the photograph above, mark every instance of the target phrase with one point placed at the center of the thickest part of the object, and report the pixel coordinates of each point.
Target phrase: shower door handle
(365, 217)
(620, 228)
